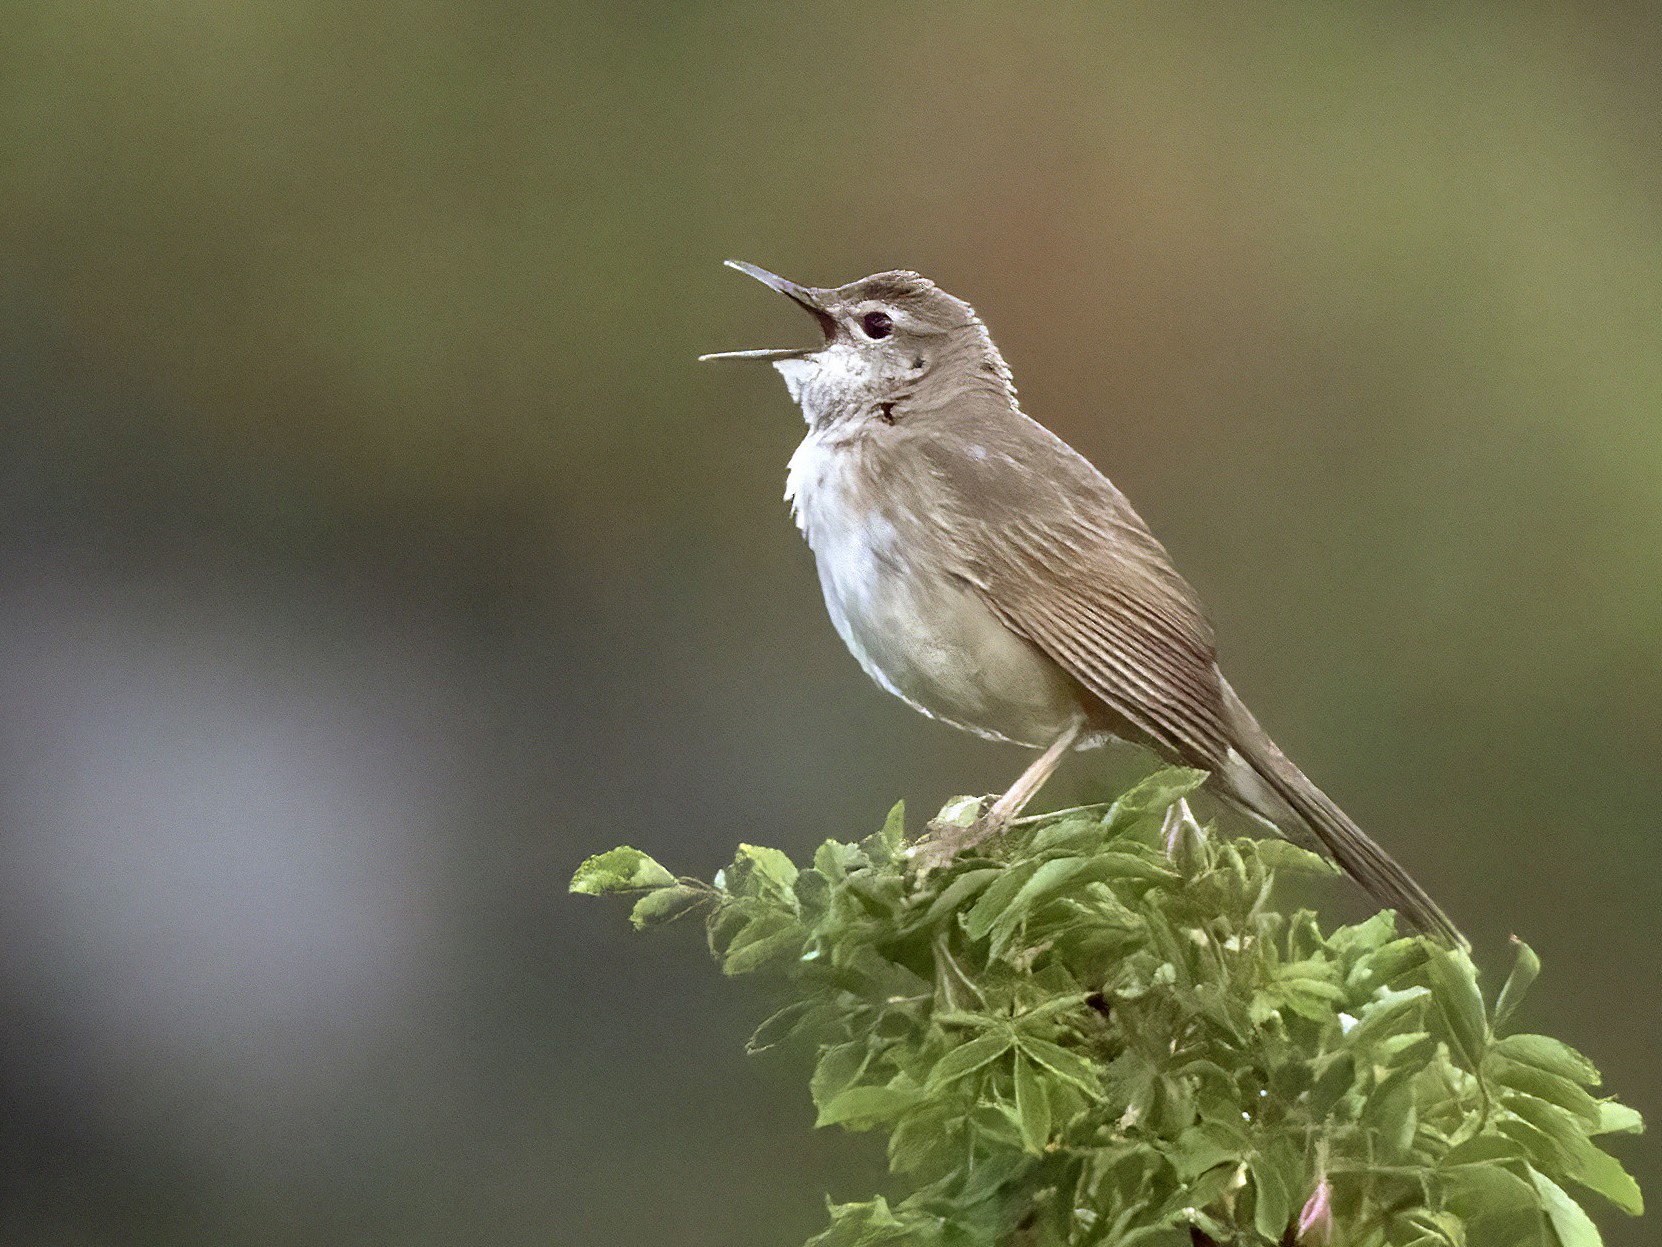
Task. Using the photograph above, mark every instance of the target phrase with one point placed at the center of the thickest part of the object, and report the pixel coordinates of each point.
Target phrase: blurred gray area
(374, 550)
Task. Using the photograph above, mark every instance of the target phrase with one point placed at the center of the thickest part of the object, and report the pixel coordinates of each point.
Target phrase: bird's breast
(886, 569)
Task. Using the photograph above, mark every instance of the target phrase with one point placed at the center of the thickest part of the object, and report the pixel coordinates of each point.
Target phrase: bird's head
(892, 341)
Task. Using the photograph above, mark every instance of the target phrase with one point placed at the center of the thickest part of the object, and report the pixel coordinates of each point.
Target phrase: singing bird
(985, 572)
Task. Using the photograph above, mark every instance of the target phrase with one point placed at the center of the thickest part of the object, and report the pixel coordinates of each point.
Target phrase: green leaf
(1524, 971)
(1416, 1049)
(1572, 1153)
(1075, 833)
(993, 902)
(1046, 880)
(769, 937)
(1200, 1148)
(1336, 1077)
(1482, 1149)
(1617, 1118)
(1460, 1005)
(1081, 1046)
(1032, 1106)
(1436, 1228)
(1552, 1055)
(885, 843)
(928, 1141)
(1390, 1014)
(863, 1225)
(1568, 1138)
(1285, 857)
(778, 1027)
(666, 905)
(966, 1058)
(1153, 794)
(1272, 1210)
(1599, 1171)
(1496, 1199)
(1064, 1064)
(956, 894)
(835, 860)
(1114, 865)
(769, 866)
(1574, 1227)
(619, 870)
(836, 1070)
(860, 1108)
(1553, 1088)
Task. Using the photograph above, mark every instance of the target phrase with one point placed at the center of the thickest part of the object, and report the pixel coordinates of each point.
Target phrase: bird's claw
(943, 841)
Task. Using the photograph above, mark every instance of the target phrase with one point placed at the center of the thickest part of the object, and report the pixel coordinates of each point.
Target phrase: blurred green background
(374, 549)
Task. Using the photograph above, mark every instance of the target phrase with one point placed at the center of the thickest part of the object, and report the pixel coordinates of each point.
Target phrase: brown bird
(981, 569)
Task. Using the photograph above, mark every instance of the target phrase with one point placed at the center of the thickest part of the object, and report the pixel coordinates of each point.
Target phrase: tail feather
(1348, 845)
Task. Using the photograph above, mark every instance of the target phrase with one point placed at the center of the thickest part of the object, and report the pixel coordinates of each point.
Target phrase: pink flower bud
(1315, 1222)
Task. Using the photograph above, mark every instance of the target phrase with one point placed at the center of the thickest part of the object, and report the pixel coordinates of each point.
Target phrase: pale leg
(942, 844)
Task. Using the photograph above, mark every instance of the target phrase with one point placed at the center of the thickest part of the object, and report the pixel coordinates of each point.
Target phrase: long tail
(1265, 767)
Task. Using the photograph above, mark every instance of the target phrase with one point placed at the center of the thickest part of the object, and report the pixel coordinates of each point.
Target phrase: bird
(985, 572)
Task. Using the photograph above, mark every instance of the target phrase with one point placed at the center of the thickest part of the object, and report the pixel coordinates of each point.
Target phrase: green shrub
(1098, 1031)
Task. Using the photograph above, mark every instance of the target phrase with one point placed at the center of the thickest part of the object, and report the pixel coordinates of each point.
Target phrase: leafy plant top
(1100, 1032)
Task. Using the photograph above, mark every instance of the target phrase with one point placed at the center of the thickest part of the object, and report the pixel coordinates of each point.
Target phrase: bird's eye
(877, 324)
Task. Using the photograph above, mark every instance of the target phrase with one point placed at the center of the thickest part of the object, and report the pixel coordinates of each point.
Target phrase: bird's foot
(961, 827)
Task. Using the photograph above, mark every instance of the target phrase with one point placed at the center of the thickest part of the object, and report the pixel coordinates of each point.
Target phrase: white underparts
(921, 634)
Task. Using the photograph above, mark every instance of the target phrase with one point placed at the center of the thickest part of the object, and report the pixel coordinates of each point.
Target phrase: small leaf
(778, 1027)
(813, 895)
(992, 903)
(1436, 1228)
(1561, 1127)
(1117, 865)
(619, 870)
(834, 859)
(1600, 1171)
(1483, 1149)
(1524, 971)
(1032, 1106)
(1338, 1076)
(1076, 833)
(1285, 857)
(956, 894)
(1552, 1055)
(1391, 1013)
(770, 866)
(1203, 1147)
(769, 937)
(958, 812)
(966, 1058)
(1460, 1005)
(860, 1108)
(836, 1071)
(1575, 1228)
(1272, 1209)
(1050, 877)
(1153, 794)
(926, 1140)
(666, 905)
(1617, 1118)
(1064, 1064)
(1416, 1049)
(885, 843)
(1553, 1088)
(859, 1225)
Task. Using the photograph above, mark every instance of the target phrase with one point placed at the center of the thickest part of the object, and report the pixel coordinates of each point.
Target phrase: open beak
(807, 299)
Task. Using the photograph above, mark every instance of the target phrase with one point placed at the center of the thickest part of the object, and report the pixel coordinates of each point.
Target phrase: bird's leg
(943, 843)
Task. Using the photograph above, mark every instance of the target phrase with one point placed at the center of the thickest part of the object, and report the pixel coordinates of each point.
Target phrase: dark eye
(877, 324)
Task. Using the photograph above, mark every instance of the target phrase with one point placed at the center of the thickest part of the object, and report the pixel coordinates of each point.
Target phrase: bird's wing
(1057, 553)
